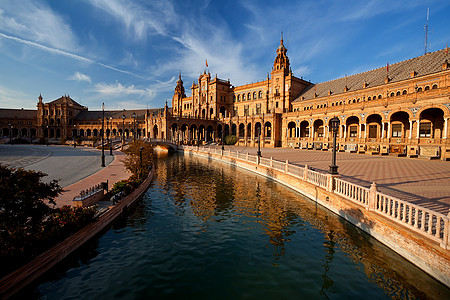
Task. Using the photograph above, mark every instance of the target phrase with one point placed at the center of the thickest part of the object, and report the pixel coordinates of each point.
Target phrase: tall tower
(280, 81)
(178, 96)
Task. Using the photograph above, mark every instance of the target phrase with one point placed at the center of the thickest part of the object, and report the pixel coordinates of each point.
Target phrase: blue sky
(127, 53)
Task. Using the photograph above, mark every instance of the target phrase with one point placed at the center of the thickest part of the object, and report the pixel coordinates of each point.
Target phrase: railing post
(246, 157)
(372, 197)
(305, 173)
(286, 166)
(271, 162)
(446, 236)
(258, 159)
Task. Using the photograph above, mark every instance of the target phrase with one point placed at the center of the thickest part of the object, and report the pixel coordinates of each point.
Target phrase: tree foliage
(230, 140)
(23, 198)
(133, 162)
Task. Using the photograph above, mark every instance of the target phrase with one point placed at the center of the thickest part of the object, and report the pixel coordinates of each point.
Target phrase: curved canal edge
(19, 279)
(424, 253)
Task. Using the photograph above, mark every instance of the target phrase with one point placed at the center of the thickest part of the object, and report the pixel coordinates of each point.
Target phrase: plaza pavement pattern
(76, 169)
(419, 181)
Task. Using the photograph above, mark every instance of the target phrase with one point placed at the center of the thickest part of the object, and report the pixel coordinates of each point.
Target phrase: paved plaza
(419, 181)
(76, 168)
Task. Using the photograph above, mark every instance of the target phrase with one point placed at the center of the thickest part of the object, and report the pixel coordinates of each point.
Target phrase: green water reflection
(207, 230)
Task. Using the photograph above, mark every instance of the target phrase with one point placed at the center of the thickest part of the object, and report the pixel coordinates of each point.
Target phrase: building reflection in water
(217, 190)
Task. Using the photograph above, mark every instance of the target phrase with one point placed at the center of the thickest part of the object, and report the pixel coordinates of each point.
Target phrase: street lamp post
(110, 134)
(48, 134)
(73, 133)
(103, 133)
(223, 135)
(140, 156)
(334, 128)
(259, 142)
(10, 133)
(134, 127)
(123, 130)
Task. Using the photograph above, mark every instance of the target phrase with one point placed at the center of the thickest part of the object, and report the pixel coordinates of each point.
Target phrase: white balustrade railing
(434, 225)
(351, 191)
(427, 222)
(295, 171)
(264, 161)
(317, 178)
(278, 165)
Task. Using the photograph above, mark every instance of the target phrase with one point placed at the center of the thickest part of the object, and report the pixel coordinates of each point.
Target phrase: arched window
(380, 96)
(398, 93)
(243, 97)
(404, 92)
(239, 98)
(392, 94)
(260, 94)
(427, 88)
(249, 96)
(369, 98)
(434, 86)
(419, 89)
(254, 95)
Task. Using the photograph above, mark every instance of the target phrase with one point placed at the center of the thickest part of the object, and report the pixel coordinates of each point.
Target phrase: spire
(40, 98)
(281, 61)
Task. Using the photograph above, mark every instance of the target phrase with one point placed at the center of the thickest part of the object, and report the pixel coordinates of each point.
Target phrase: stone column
(371, 205)
(410, 128)
(444, 136)
(389, 134)
(382, 130)
(418, 128)
(366, 127)
(345, 131)
(328, 131)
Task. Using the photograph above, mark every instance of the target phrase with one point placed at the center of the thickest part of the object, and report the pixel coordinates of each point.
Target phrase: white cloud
(10, 98)
(137, 19)
(118, 90)
(80, 77)
(66, 54)
(36, 22)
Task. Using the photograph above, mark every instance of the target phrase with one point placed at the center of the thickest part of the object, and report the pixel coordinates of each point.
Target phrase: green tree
(133, 162)
(23, 198)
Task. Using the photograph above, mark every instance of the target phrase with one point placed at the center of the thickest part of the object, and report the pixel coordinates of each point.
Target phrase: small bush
(230, 139)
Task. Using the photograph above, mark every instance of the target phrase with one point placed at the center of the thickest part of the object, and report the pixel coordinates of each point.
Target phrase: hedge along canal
(212, 230)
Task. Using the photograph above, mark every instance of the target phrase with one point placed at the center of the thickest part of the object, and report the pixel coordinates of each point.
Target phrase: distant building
(400, 109)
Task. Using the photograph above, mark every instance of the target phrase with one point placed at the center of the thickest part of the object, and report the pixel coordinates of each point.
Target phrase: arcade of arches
(403, 110)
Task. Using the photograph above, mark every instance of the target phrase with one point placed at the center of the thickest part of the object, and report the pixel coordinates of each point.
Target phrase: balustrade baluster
(430, 222)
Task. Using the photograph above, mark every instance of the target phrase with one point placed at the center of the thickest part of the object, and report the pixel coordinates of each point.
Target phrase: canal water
(207, 230)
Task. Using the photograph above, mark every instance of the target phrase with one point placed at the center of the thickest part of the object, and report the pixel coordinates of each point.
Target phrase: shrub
(230, 139)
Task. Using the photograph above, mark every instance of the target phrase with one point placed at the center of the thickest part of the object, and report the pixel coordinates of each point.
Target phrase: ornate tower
(281, 61)
(178, 96)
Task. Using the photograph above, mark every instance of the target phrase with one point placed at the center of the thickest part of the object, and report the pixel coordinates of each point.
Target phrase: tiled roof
(9, 114)
(423, 65)
(66, 99)
(115, 114)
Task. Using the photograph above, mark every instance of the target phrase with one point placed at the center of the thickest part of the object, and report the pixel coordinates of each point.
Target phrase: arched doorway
(373, 130)
(352, 127)
(318, 129)
(291, 129)
(268, 130)
(399, 124)
(233, 129)
(304, 129)
(209, 133)
(431, 123)
(155, 131)
(241, 131)
(257, 132)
